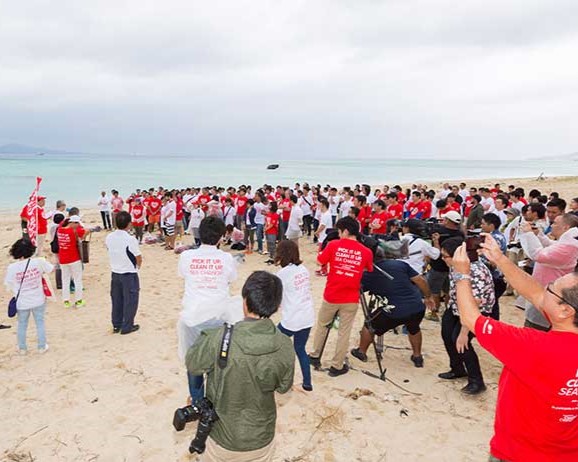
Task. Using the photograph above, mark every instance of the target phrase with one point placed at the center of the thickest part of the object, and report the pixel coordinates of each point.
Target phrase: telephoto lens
(207, 420)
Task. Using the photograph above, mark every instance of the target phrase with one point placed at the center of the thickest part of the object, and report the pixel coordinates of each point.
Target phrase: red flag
(32, 212)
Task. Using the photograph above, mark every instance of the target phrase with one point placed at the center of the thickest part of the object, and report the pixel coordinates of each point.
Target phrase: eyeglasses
(559, 297)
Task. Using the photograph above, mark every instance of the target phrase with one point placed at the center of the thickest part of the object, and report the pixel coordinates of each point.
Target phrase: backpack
(54, 244)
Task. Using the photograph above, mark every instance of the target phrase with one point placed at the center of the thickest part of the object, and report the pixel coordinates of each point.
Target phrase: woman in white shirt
(293, 232)
(25, 276)
(297, 315)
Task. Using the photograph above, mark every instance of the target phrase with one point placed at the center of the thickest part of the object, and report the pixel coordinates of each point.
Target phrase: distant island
(15, 148)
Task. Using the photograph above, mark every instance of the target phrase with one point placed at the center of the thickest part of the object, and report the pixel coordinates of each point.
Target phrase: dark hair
(229, 228)
(555, 195)
(324, 202)
(211, 230)
(293, 198)
(361, 199)
(538, 209)
(349, 224)
(477, 197)
(492, 219)
(503, 200)
(534, 193)
(122, 220)
(262, 293)
(392, 195)
(558, 203)
(73, 211)
(416, 193)
(273, 206)
(571, 294)
(287, 252)
(58, 218)
(380, 203)
(452, 244)
(22, 248)
(355, 211)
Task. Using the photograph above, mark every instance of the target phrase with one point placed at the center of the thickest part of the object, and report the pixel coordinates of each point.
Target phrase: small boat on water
(272, 167)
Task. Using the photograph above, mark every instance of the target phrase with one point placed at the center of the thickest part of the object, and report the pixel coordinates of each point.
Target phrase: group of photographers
(249, 359)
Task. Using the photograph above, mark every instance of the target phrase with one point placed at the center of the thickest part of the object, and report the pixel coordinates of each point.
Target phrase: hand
(435, 237)
(461, 261)
(429, 303)
(526, 227)
(490, 249)
(462, 343)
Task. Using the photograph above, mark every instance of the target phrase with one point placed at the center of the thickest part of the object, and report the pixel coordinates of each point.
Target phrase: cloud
(326, 78)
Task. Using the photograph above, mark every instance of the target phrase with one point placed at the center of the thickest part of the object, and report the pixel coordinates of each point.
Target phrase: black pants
(307, 224)
(105, 220)
(124, 289)
(499, 289)
(460, 362)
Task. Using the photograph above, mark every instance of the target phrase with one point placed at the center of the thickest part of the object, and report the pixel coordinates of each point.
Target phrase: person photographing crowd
(537, 411)
(260, 362)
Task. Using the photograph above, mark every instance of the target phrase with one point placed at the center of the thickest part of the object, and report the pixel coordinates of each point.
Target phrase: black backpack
(54, 244)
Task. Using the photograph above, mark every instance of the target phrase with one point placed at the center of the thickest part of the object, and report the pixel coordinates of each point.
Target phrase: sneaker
(269, 261)
(66, 304)
(43, 350)
(80, 303)
(115, 330)
(337, 372)
(417, 361)
(315, 362)
(432, 316)
(356, 352)
(320, 273)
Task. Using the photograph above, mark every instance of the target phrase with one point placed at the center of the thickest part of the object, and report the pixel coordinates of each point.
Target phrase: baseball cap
(453, 216)
(512, 211)
(74, 219)
(41, 198)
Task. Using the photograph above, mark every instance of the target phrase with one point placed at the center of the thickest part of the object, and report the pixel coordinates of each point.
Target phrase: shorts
(438, 281)
(169, 230)
(153, 219)
(381, 322)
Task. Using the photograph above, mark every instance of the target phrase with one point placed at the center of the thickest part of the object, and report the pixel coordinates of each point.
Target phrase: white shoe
(43, 350)
(22, 352)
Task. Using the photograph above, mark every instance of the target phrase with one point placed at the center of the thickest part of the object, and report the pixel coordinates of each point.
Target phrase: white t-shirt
(305, 203)
(32, 293)
(333, 205)
(104, 204)
(122, 252)
(259, 209)
(488, 205)
(295, 221)
(197, 216)
(229, 215)
(297, 305)
(168, 217)
(326, 220)
(345, 208)
(418, 251)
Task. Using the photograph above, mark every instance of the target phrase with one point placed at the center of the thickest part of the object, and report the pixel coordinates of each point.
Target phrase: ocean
(78, 179)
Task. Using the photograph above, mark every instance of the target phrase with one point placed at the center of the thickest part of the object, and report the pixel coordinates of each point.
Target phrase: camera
(205, 413)
(473, 244)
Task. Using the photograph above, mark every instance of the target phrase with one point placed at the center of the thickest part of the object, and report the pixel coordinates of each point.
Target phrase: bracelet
(461, 277)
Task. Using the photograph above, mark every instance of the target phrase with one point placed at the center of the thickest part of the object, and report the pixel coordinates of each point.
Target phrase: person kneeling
(404, 298)
(260, 362)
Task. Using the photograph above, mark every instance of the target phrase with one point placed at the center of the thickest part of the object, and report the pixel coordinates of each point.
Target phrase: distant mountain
(15, 148)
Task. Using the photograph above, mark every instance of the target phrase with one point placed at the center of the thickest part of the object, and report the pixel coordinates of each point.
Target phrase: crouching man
(260, 361)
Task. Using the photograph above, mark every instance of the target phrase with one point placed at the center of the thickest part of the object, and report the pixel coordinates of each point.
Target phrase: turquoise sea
(78, 179)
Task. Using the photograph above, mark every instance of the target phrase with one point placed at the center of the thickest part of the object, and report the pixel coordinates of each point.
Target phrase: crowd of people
(446, 256)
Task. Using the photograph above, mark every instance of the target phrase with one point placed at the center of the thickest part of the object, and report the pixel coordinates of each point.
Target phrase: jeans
(307, 224)
(259, 237)
(299, 341)
(124, 293)
(23, 317)
(196, 386)
(271, 245)
(105, 220)
(460, 362)
(74, 271)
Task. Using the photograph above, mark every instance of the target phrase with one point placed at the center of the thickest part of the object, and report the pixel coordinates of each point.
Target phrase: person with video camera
(457, 337)
(404, 302)
(419, 250)
(244, 370)
(536, 412)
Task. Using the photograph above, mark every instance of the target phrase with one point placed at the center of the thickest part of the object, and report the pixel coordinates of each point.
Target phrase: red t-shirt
(155, 205)
(272, 220)
(401, 198)
(468, 206)
(117, 204)
(425, 208)
(394, 211)
(242, 205)
(537, 408)
(379, 219)
(24, 212)
(67, 247)
(42, 222)
(180, 214)
(495, 192)
(138, 215)
(286, 211)
(421, 210)
(347, 260)
(204, 199)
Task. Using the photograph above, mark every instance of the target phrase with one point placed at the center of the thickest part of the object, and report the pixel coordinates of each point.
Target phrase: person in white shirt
(208, 273)
(445, 191)
(346, 204)
(24, 280)
(195, 218)
(297, 313)
(305, 202)
(104, 207)
(418, 249)
(325, 220)
(501, 204)
(487, 201)
(229, 212)
(260, 212)
(295, 221)
(125, 260)
(464, 192)
(169, 219)
(334, 200)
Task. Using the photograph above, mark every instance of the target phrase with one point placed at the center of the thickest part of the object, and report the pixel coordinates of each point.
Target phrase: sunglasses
(559, 297)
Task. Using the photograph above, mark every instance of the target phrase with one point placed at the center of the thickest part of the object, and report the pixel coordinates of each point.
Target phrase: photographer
(260, 362)
(404, 294)
(419, 250)
(536, 412)
(457, 338)
(437, 276)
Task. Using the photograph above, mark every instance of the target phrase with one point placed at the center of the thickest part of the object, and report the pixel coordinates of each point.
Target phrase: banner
(32, 212)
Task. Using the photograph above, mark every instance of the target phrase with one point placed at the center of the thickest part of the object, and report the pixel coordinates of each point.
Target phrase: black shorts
(381, 322)
(438, 281)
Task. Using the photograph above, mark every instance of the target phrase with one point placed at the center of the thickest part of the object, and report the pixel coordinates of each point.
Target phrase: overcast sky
(300, 78)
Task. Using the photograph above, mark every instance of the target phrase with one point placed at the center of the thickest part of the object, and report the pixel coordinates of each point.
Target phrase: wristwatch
(461, 277)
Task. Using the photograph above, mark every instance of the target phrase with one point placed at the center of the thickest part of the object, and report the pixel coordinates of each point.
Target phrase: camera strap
(225, 345)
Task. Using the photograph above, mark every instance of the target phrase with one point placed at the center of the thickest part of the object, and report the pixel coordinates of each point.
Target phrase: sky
(285, 79)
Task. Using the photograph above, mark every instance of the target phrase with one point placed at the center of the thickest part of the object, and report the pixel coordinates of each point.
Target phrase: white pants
(40, 239)
(73, 270)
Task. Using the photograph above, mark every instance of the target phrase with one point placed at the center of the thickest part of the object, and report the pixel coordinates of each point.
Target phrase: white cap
(453, 216)
(74, 219)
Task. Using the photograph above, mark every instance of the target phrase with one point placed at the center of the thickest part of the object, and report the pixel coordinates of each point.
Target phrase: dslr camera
(205, 413)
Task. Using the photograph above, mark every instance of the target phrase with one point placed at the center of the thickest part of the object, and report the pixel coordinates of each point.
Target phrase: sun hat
(512, 211)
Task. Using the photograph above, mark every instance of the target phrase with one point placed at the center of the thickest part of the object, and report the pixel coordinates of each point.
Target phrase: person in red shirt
(179, 215)
(347, 259)
(359, 201)
(241, 207)
(468, 203)
(394, 209)
(117, 204)
(153, 209)
(401, 197)
(285, 206)
(377, 225)
(204, 200)
(496, 191)
(271, 231)
(68, 235)
(451, 203)
(418, 208)
(537, 407)
(137, 214)
(42, 226)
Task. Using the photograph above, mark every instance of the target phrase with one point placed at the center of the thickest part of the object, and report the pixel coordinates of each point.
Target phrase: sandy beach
(96, 396)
